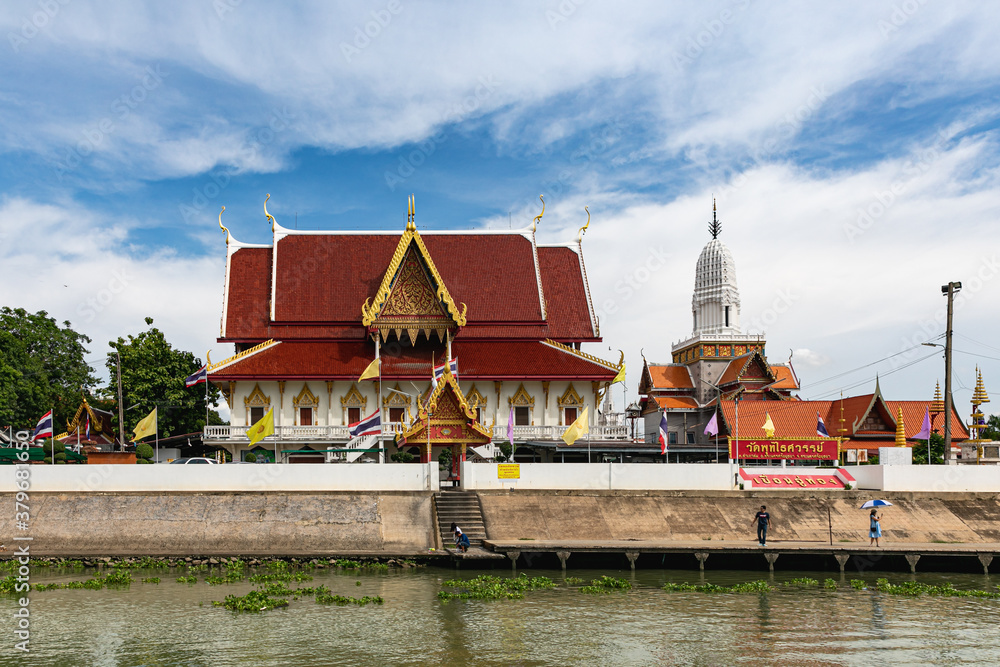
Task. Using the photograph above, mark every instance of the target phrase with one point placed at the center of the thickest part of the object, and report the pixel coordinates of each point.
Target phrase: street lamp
(633, 412)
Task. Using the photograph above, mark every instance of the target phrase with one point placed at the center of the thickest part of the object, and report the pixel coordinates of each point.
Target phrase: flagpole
(52, 435)
(156, 425)
(378, 356)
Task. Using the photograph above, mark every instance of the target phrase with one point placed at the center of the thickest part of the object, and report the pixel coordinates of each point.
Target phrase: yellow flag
(578, 428)
(621, 374)
(370, 372)
(768, 426)
(146, 427)
(262, 428)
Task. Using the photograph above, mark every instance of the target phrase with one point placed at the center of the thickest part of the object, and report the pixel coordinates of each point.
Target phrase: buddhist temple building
(310, 311)
(722, 371)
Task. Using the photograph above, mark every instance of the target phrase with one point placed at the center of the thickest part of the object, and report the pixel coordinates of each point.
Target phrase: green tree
(144, 453)
(42, 368)
(153, 374)
(992, 432)
(937, 450)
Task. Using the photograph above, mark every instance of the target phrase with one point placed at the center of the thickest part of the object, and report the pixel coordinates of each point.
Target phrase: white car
(194, 459)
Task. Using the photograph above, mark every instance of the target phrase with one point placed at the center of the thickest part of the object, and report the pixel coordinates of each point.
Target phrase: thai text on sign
(508, 471)
(797, 449)
(795, 481)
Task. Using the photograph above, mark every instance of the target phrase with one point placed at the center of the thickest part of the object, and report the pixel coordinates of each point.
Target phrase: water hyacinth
(606, 584)
(253, 602)
(746, 587)
(488, 587)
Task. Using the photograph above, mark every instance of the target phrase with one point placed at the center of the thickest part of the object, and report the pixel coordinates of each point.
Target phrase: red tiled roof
(476, 360)
(673, 376)
(247, 313)
(326, 278)
(567, 311)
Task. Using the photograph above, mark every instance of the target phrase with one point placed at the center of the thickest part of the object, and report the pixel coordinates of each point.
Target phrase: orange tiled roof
(791, 419)
(913, 418)
(786, 378)
(675, 402)
(674, 376)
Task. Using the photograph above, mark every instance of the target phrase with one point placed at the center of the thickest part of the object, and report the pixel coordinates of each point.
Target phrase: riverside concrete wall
(726, 516)
(265, 523)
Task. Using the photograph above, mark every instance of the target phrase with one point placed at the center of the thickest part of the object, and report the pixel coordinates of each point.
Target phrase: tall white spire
(715, 305)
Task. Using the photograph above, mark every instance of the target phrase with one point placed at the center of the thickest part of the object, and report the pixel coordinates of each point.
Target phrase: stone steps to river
(462, 508)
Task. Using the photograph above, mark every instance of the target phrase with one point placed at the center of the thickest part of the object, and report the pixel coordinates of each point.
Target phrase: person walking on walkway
(763, 520)
(874, 527)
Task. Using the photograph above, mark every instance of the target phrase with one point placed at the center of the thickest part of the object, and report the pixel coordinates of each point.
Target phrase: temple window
(257, 405)
(690, 438)
(672, 438)
(354, 405)
(523, 403)
(397, 414)
(522, 416)
(305, 417)
(353, 415)
(305, 405)
(570, 404)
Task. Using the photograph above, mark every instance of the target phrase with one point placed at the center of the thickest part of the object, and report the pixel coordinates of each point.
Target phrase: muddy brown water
(170, 623)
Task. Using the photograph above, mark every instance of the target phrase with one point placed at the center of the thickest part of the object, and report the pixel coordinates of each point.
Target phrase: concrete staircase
(461, 507)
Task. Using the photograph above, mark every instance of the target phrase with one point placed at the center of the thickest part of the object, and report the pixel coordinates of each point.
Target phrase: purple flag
(510, 430)
(925, 430)
(713, 425)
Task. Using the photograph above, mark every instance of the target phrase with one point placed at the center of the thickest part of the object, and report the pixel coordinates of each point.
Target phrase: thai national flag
(370, 425)
(86, 429)
(821, 427)
(439, 370)
(199, 376)
(663, 434)
(44, 428)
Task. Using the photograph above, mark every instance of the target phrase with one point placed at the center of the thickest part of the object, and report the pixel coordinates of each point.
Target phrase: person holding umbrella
(874, 520)
(874, 527)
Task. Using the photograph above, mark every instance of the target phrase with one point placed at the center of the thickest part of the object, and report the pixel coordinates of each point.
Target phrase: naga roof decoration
(410, 299)
(584, 355)
(242, 355)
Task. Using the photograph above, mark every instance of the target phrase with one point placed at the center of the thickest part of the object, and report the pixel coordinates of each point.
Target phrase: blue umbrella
(876, 503)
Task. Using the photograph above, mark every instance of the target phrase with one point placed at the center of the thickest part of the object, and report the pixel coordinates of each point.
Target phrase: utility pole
(950, 289)
(121, 411)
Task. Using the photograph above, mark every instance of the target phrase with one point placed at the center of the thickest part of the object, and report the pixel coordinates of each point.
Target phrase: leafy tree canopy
(153, 374)
(42, 368)
(993, 431)
(937, 450)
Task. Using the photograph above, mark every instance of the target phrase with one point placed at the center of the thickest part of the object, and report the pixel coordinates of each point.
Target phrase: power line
(854, 370)
(866, 381)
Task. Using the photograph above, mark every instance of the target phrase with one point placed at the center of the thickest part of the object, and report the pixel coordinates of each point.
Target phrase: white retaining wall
(968, 478)
(201, 478)
(601, 476)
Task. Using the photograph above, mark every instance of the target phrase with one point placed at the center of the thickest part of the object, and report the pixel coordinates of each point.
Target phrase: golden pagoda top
(900, 430)
(937, 405)
(979, 396)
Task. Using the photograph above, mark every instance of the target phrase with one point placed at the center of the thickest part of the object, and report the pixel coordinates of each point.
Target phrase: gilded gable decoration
(475, 398)
(521, 398)
(570, 399)
(257, 399)
(306, 399)
(412, 297)
(396, 399)
(354, 399)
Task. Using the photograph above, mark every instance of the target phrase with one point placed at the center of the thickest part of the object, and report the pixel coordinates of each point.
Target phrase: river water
(171, 623)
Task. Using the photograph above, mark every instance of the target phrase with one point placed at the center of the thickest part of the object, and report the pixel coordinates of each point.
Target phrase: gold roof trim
(583, 355)
(240, 355)
(369, 313)
(420, 420)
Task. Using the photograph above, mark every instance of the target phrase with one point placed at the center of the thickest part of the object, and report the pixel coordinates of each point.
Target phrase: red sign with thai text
(799, 449)
(781, 481)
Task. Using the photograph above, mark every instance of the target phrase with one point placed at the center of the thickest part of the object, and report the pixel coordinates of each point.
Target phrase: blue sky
(853, 149)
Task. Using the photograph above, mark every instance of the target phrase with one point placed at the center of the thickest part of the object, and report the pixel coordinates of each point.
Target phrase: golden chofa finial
(979, 396)
(269, 216)
(538, 218)
(411, 213)
(579, 236)
(208, 358)
(222, 226)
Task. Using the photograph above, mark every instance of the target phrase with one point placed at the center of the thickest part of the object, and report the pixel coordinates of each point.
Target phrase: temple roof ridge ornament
(233, 241)
(538, 218)
(275, 227)
(579, 235)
